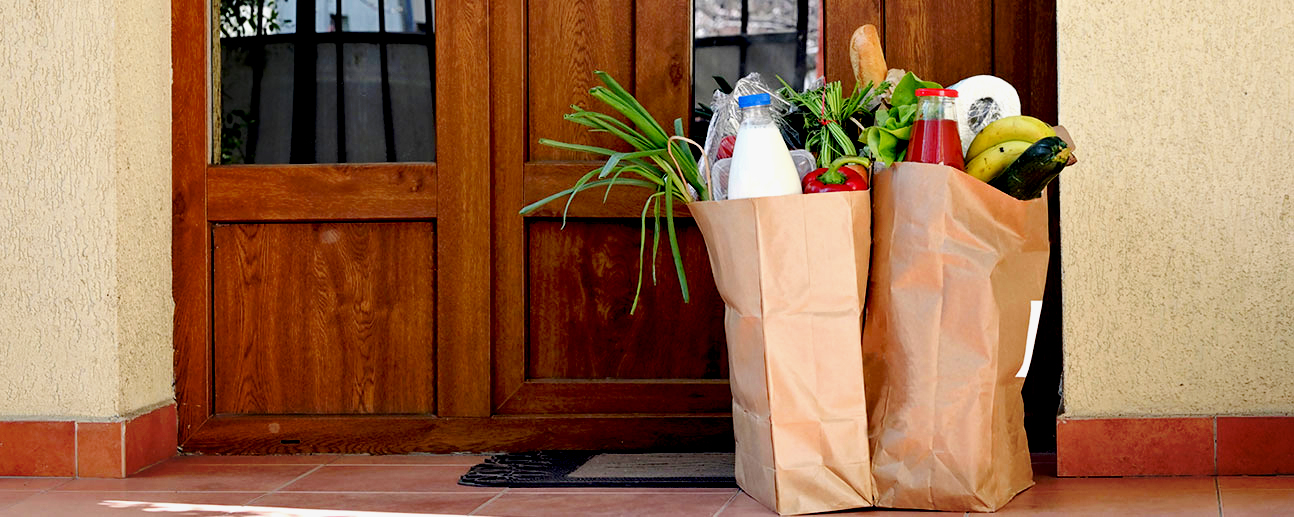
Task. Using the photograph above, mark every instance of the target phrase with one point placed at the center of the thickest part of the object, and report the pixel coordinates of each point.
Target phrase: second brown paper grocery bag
(955, 266)
(792, 271)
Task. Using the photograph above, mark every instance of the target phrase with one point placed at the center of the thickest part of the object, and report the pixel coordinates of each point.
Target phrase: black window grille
(323, 84)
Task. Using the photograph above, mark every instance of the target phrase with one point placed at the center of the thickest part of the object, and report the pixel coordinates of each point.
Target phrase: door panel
(338, 191)
(940, 40)
(567, 40)
(324, 318)
(580, 351)
(582, 281)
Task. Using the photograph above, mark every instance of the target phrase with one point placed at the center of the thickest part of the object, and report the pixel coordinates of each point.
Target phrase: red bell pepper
(842, 176)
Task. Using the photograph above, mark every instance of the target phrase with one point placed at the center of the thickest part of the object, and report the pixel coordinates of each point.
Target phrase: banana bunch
(1001, 143)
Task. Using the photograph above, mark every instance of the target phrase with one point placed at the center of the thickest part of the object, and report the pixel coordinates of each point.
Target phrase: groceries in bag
(1019, 155)
(981, 100)
(761, 163)
(935, 138)
(955, 267)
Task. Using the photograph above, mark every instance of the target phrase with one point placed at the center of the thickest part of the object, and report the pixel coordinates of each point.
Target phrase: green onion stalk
(659, 162)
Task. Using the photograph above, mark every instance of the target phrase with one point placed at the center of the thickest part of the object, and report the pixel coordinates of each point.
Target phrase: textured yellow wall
(1177, 227)
(85, 305)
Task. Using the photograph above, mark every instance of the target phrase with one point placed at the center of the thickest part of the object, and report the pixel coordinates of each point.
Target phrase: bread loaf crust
(866, 56)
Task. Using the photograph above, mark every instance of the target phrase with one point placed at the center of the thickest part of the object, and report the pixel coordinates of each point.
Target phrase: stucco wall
(85, 305)
(1177, 226)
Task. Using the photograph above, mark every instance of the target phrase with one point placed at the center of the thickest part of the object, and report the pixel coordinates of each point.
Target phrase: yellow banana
(1019, 127)
(989, 164)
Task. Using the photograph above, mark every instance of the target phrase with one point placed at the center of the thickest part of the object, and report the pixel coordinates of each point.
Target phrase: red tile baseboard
(150, 438)
(1255, 445)
(1135, 447)
(37, 449)
(87, 449)
(1188, 446)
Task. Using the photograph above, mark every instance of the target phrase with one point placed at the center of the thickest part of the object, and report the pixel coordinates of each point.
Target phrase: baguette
(866, 55)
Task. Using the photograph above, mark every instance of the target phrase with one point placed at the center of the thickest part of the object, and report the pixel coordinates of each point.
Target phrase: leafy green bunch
(659, 162)
(826, 111)
(887, 139)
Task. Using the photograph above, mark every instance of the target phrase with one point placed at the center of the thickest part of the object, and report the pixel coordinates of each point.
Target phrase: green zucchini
(1034, 169)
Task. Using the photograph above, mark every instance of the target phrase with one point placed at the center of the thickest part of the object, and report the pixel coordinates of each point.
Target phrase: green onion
(660, 162)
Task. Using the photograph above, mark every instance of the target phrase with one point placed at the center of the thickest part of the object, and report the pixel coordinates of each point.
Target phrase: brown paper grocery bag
(955, 266)
(792, 271)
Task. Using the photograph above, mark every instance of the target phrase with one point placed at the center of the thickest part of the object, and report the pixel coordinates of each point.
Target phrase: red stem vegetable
(842, 176)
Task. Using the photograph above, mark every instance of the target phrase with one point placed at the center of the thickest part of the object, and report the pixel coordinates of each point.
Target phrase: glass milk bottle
(761, 164)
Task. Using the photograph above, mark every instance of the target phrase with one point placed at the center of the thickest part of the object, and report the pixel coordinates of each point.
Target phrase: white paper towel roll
(981, 100)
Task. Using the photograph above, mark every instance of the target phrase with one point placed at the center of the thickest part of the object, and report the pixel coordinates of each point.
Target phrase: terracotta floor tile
(1151, 484)
(413, 459)
(319, 459)
(31, 483)
(386, 478)
(595, 505)
(744, 506)
(154, 504)
(1114, 496)
(1253, 501)
(12, 497)
(1258, 482)
(180, 477)
(614, 490)
(441, 503)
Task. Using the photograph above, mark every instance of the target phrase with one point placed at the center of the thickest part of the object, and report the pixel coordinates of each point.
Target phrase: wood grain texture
(321, 192)
(544, 179)
(643, 397)
(1024, 49)
(567, 41)
(402, 435)
(190, 238)
(464, 176)
(508, 109)
(940, 40)
(582, 282)
(663, 60)
(324, 318)
(1024, 43)
(841, 19)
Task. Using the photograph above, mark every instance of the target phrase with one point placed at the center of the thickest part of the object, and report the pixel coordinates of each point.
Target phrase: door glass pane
(326, 81)
(732, 38)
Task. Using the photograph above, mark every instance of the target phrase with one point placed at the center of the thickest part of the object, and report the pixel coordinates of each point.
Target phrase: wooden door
(388, 308)
(311, 310)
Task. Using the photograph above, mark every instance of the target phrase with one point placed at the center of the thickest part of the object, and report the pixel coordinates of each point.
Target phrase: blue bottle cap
(758, 99)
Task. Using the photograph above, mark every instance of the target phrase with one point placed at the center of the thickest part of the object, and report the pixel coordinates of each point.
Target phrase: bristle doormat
(597, 469)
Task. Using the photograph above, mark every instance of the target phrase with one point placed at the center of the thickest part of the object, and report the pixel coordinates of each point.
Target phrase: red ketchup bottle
(934, 135)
